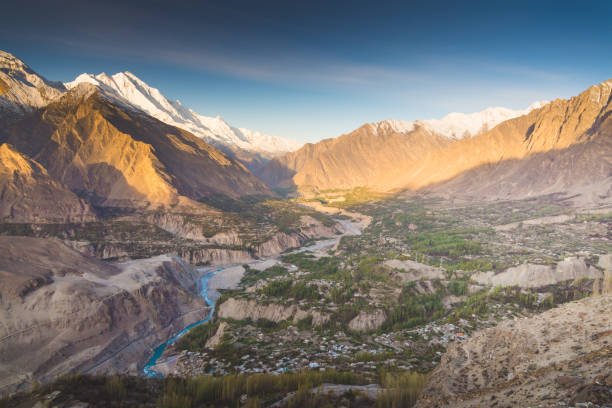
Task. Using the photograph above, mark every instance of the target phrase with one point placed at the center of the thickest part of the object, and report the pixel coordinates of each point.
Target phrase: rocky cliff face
(182, 225)
(216, 339)
(241, 309)
(230, 247)
(29, 194)
(215, 256)
(534, 276)
(281, 241)
(62, 312)
(558, 358)
(368, 321)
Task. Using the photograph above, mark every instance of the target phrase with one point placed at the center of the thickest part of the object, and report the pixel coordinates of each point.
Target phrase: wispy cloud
(292, 69)
(288, 68)
(297, 68)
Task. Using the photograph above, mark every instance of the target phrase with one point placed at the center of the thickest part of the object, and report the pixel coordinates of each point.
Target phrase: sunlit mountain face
(421, 219)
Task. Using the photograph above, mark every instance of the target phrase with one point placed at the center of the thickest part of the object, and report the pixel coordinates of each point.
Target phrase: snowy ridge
(22, 89)
(459, 125)
(131, 90)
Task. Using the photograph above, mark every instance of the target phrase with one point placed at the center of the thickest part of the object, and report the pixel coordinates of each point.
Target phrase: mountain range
(113, 141)
(560, 146)
(131, 90)
(89, 142)
(457, 125)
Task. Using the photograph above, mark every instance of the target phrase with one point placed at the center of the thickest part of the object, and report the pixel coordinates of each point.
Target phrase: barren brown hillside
(381, 158)
(29, 194)
(121, 157)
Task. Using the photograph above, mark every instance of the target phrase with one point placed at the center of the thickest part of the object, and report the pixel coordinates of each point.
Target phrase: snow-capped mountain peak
(457, 125)
(132, 90)
(400, 126)
(22, 88)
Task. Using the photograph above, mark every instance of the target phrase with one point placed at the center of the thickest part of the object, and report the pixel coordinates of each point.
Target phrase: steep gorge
(63, 312)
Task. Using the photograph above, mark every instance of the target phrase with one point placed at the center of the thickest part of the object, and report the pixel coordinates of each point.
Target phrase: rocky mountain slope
(582, 171)
(375, 155)
(92, 141)
(62, 312)
(386, 156)
(124, 158)
(558, 358)
(135, 92)
(29, 194)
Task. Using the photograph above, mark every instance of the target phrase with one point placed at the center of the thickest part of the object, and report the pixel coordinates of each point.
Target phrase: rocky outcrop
(179, 225)
(368, 321)
(230, 238)
(102, 251)
(603, 286)
(605, 262)
(29, 194)
(214, 256)
(278, 243)
(309, 228)
(188, 222)
(413, 271)
(241, 309)
(62, 312)
(229, 247)
(534, 276)
(552, 359)
(216, 339)
(220, 249)
(313, 228)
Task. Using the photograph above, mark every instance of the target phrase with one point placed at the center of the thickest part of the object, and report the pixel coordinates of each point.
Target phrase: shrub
(115, 388)
(401, 389)
(196, 338)
(458, 287)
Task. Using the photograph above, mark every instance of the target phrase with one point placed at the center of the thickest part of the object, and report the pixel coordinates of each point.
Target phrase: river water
(228, 276)
(210, 301)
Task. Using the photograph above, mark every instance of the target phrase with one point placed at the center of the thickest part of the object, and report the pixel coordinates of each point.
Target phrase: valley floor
(395, 297)
(409, 288)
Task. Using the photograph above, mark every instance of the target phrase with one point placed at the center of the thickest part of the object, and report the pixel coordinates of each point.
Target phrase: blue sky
(310, 70)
